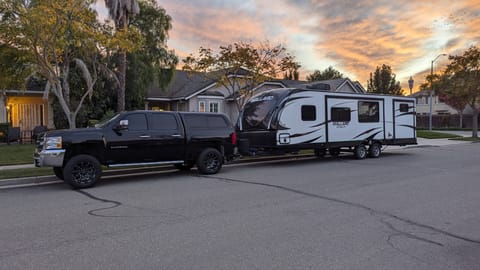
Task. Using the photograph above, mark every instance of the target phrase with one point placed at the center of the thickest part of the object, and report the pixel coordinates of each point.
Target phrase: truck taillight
(234, 138)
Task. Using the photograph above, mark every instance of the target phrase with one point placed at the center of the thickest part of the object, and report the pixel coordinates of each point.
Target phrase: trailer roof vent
(318, 86)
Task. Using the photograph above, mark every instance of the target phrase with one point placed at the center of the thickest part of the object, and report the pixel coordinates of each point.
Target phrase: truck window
(163, 121)
(368, 112)
(309, 113)
(137, 121)
(340, 114)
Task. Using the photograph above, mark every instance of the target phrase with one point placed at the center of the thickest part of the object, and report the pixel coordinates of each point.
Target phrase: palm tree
(120, 11)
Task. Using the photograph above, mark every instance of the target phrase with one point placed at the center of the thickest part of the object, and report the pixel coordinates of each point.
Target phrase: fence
(445, 121)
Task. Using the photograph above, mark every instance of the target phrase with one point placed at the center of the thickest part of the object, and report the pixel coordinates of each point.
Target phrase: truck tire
(374, 150)
(360, 151)
(82, 171)
(58, 171)
(209, 161)
(183, 166)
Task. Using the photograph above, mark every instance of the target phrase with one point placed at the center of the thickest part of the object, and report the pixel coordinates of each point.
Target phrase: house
(194, 92)
(25, 109)
(438, 106)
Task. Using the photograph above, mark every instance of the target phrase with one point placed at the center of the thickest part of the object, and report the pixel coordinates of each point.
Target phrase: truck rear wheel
(360, 151)
(210, 161)
(82, 171)
(58, 171)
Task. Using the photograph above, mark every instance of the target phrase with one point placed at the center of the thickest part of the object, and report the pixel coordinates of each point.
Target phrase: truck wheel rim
(211, 162)
(83, 172)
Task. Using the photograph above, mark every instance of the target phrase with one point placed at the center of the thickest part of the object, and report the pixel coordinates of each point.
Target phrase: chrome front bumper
(49, 158)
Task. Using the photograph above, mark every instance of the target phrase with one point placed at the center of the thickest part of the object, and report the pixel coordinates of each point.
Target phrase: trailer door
(404, 119)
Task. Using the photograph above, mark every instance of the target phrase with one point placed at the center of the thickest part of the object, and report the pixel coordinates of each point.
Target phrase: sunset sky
(352, 36)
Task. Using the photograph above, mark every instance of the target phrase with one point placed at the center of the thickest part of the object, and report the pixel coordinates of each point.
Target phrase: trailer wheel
(82, 171)
(374, 150)
(183, 166)
(58, 171)
(320, 152)
(334, 152)
(210, 161)
(360, 151)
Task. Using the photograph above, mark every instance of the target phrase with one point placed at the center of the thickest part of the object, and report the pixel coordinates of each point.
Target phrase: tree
(240, 66)
(120, 12)
(153, 61)
(15, 66)
(62, 35)
(327, 74)
(456, 102)
(383, 81)
(461, 80)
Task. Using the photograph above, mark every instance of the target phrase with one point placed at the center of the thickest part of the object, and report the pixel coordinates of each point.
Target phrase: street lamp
(431, 90)
(410, 84)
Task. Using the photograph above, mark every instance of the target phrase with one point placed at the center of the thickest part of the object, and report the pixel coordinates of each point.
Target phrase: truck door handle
(145, 136)
(176, 135)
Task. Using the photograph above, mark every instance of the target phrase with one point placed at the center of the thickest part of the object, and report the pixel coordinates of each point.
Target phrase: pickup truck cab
(138, 138)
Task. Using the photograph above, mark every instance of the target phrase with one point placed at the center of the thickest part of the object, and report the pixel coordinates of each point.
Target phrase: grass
(19, 173)
(435, 135)
(16, 154)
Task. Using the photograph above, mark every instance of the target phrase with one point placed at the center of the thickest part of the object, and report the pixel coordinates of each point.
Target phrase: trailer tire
(374, 150)
(58, 171)
(360, 151)
(183, 166)
(82, 171)
(320, 152)
(210, 161)
(334, 152)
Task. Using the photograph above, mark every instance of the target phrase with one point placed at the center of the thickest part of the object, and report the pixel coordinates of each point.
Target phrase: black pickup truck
(138, 138)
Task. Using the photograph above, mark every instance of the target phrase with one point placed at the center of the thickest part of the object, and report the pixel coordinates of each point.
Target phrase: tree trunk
(121, 78)
(122, 69)
(475, 123)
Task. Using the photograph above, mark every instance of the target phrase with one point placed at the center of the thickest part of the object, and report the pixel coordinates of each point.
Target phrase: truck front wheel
(210, 161)
(82, 171)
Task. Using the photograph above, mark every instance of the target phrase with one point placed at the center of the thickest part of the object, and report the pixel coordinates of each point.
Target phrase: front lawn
(435, 135)
(16, 154)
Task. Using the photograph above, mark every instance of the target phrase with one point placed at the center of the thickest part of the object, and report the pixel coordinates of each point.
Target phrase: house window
(368, 112)
(214, 107)
(309, 113)
(340, 114)
(201, 106)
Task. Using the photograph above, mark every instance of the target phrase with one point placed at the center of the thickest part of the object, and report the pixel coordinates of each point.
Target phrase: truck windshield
(105, 123)
(259, 110)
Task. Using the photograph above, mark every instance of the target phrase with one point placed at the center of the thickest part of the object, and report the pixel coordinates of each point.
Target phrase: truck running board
(146, 163)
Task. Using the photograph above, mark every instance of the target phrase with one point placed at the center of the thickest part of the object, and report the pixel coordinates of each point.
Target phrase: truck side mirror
(122, 125)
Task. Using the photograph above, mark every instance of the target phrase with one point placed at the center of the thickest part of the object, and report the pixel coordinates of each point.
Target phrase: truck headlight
(53, 143)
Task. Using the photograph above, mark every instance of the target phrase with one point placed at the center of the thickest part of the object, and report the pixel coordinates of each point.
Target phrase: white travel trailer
(291, 119)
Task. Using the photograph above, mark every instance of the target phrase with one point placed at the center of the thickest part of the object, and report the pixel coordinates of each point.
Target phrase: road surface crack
(93, 212)
(360, 206)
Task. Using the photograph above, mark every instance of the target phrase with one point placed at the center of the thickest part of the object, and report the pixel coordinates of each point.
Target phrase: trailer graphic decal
(367, 131)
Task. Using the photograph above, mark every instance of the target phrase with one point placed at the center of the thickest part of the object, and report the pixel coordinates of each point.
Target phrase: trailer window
(404, 107)
(309, 113)
(340, 114)
(368, 112)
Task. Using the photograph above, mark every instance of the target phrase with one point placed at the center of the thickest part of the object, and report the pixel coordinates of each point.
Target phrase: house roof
(185, 85)
(421, 93)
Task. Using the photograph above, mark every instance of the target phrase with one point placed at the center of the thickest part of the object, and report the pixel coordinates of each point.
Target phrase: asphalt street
(413, 208)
